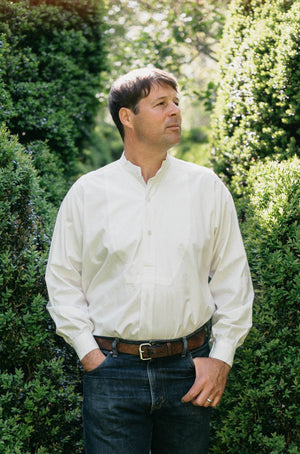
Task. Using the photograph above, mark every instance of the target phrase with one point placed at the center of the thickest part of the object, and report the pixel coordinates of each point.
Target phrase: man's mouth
(174, 126)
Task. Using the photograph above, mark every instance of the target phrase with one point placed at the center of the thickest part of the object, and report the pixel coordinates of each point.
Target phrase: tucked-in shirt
(146, 261)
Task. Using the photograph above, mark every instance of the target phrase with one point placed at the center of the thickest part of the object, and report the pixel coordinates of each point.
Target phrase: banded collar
(137, 171)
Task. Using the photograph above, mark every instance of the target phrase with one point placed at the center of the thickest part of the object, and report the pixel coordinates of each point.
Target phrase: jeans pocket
(101, 365)
(190, 360)
(201, 352)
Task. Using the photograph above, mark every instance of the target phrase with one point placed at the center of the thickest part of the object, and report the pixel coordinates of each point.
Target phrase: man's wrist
(92, 360)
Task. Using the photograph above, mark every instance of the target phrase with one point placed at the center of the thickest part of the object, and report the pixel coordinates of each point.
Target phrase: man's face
(157, 122)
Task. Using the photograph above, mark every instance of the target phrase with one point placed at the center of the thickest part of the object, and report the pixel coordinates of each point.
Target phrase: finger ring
(209, 400)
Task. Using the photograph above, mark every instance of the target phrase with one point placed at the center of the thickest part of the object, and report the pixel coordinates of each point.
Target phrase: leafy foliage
(259, 412)
(256, 140)
(33, 415)
(6, 106)
(258, 108)
(103, 146)
(194, 146)
(52, 71)
(50, 171)
(51, 55)
(174, 38)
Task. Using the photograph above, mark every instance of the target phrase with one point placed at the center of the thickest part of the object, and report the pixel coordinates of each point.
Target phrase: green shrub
(39, 404)
(194, 146)
(50, 171)
(6, 106)
(52, 71)
(256, 139)
(260, 409)
(51, 55)
(258, 105)
(102, 147)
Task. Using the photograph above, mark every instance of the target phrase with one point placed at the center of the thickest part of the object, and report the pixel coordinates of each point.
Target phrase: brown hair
(130, 88)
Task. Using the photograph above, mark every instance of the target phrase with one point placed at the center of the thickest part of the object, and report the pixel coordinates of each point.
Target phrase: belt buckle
(141, 352)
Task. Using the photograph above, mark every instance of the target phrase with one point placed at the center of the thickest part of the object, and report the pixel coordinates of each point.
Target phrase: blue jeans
(132, 406)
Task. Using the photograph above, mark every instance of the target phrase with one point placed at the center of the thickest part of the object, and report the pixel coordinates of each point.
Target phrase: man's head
(129, 89)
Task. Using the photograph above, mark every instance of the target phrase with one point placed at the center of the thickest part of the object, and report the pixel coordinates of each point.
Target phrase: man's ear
(125, 116)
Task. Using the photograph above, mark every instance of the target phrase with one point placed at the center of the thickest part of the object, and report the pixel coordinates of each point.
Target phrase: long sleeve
(230, 283)
(68, 304)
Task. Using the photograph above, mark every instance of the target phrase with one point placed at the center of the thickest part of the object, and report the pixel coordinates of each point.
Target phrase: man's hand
(210, 382)
(92, 360)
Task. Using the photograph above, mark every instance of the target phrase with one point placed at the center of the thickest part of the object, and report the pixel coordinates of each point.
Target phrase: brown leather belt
(153, 349)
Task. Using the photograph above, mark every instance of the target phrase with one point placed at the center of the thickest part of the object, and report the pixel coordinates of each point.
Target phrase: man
(145, 252)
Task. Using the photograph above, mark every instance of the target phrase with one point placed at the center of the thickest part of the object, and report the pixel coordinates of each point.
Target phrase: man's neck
(149, 161)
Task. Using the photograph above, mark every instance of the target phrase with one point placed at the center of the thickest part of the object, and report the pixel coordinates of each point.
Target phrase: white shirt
(149, 261)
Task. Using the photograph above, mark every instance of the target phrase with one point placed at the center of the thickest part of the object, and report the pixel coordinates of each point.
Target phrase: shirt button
(149, 232)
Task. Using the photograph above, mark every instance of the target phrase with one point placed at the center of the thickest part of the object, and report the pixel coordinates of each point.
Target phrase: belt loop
(185, 347)
(114, 347)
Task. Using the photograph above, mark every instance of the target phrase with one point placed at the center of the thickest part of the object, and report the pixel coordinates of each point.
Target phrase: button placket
(148, 240)
(147, 262)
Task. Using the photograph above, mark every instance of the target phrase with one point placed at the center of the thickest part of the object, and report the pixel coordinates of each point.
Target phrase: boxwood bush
(51, 55)
(39, 402)
(260, 409)
(6, 105)
(52, 68)
(256, 152)
(257, 112)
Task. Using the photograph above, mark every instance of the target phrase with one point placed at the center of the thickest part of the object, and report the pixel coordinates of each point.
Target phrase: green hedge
(194, 146)
(258, 105)
(39, 404)
(6, 105)
(102, 147)
(51, 71)
(51, 55)
(260, 409)
(50, 171)
(256, 152)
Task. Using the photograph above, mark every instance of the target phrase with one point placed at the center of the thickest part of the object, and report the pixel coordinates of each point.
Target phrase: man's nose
(174, 110)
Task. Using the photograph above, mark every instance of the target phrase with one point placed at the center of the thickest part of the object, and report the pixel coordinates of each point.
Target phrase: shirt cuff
(84, 343)
(223, 350)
